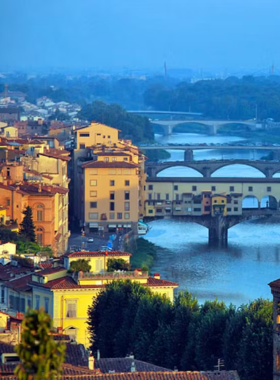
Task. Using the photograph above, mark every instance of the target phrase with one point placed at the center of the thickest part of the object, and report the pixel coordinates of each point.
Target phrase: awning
(93, 225)
(112, 226)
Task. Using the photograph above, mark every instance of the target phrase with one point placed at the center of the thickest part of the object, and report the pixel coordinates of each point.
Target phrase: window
(126, 215)
(119, 215)
(112, 215)
(2, 300)
(229, 209)
(112, 206)
(93, 215)
(235, 202)
(29, 303)
(39, 215)
(167, 197)
(104, 137)
(125, 159)
(106, 159)
(39, 236)
(93, 204)
(127, 206)
(235, 208)
(112, 183)
(112, 195)
(126, 195)
(158, 210)
(93, 193)
(126, 183)
(197, 209)
(46, 304)
(231, 188)
(82, 146)
(223, 201)
(207, 208)
(213, 188)
(37, 302)
(93, 171)
(109, 136)
(268, 189)
(8, 202)
(158, 196)
(150, 187)
(194, 188)
(84, 135)
(177, 197)
(71, 308)
(175, 188)
(93, 182)
(250, 188)
(150, 211)
(149, 196)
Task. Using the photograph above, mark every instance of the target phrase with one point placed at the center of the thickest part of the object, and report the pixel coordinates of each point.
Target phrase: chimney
(157, 275)
(133, 368)
(39, 188)
(91, 361)
(98, 355)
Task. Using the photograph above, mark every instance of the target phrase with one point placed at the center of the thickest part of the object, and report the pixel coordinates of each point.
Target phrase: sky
(217, 35)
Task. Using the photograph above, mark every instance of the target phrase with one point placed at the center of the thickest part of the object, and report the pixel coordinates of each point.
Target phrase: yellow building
(67, 297)
(108, 179)
(219, 204)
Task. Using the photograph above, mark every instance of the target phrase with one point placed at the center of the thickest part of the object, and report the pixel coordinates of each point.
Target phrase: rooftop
(97, 254)
(115, 164)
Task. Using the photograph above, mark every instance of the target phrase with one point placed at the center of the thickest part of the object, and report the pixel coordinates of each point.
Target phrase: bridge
(196, 199)
(207, 168)
(213, 125)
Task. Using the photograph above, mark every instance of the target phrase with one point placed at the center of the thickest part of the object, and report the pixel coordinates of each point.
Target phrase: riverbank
(143, 254)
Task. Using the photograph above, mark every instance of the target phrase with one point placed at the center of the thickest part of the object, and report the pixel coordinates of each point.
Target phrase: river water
(236, 274)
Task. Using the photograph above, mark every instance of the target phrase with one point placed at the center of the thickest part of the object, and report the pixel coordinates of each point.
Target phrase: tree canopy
(117, 264)
(27, 228)
(183, 334)
(80, 265)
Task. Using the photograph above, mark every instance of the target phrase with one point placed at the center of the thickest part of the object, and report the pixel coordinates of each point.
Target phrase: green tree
(27, 226)
(81, 264)
(117, 264)
(41, 356)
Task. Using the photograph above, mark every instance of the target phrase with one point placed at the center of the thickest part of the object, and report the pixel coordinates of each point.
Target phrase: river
(236, 274)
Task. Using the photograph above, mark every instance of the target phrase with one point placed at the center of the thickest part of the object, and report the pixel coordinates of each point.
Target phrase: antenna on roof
(220, 364)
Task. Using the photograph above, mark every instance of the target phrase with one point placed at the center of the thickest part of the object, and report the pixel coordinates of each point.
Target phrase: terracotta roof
(113, 154)
(45, 265)
(115, 164)
(47, 271)
(275, 284)
(37, 173)
(8, 271)
(124, 365)
(20, 284)
(56, 155)
(76, 354)
(158, 282)
(33, 188)
(97, 254)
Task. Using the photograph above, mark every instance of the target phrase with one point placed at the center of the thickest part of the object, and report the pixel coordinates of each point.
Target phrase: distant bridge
(207, 168)
(175, 113)
(213, 125)
(169, 197)
(199, 147)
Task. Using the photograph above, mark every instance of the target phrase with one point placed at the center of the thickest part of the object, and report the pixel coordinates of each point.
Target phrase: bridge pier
(276, 155)
(167, 130)
(212, 130)
(269, 172)
(218, 229)
(188, 155)
(206, 171)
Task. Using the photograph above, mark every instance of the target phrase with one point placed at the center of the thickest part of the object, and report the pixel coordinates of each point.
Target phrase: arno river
(236, 274)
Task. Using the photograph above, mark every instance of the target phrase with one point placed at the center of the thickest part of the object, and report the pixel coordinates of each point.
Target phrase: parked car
(90, 240)
(105, 248)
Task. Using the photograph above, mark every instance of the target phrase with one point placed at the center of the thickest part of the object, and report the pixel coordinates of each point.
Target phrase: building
(9, 113)
(108, 176)
(9, 131)
(67, 297)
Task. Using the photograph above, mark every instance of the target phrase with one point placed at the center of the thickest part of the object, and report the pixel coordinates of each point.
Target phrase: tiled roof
(158, 282)
(8, 271)
(20, 284)
(124, 365)
(115, 164)
(76, 354)
(46, 190)
(97, 254)
(275, 284)
(45, 265)
(37, 173)
(113, 154)
(47, 271)
(56, 155)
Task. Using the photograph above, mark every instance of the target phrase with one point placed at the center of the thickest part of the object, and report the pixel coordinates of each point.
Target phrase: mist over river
(236, 274)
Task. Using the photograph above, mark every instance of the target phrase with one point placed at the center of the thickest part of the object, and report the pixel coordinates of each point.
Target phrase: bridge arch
(239, 170)
(184, 171)
(250, 201)
(269, 202)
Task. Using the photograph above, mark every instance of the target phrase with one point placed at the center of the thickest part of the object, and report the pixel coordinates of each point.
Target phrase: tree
(27, 226)
(41, 356)
(117, 264)
(80, 265)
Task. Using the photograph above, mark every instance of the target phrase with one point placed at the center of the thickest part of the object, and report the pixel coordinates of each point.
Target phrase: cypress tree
(27, 227)
(41, 356)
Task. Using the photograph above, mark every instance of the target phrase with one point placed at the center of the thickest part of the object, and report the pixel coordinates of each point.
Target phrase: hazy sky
(213, 34)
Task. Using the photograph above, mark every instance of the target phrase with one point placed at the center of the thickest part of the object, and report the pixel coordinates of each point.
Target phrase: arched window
(40, 236)
(40, 213)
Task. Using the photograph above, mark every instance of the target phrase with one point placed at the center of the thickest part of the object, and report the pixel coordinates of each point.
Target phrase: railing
(121, 274)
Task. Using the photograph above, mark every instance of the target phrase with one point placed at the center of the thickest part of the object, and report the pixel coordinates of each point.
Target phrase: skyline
(140, 35)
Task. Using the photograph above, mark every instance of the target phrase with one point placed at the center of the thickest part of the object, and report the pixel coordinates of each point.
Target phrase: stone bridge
(207, 168)
(213, 125)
